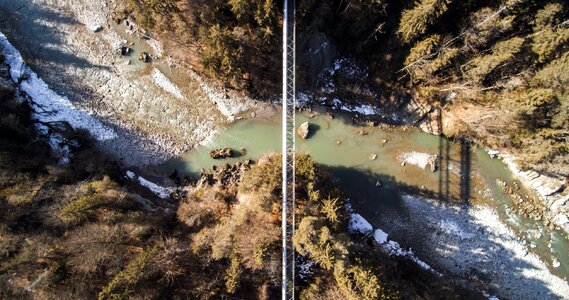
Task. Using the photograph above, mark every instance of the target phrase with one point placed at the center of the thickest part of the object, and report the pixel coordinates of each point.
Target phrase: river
(445, 216)
(456, 219)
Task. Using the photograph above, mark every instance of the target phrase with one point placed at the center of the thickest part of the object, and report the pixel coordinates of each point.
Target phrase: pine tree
(548, 16)
(502, 52)
(415, 22)
(547, 44)
(555, 74)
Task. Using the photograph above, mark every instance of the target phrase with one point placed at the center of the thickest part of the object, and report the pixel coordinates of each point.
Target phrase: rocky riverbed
(74, 47)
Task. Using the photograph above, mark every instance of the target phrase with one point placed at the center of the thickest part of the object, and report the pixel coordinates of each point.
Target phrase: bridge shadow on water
(447, 168)
(445, 235)
(440, 225)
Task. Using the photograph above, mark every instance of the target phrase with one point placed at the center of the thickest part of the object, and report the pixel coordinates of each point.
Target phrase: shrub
(233, 275)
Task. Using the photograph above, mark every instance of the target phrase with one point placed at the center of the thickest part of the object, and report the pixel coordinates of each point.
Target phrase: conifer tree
(502, 52)
(414, 22)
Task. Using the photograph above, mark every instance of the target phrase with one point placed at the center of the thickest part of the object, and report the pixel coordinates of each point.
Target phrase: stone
(221, 153)
(6, 87)
(303, 130)
(433, 162)
(372, 156)
(144, 57)
(97, 28)
(338, 141)
(125, 50)
(378, 183)
(362, 131)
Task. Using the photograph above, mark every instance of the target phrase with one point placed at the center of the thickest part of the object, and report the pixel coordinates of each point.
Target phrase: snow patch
(451, 227)
(159, 191)
(419, 159)
(380, 236)
(359, 224)
(162, 81)
(394, 249)
(48, 106)
(226, 105)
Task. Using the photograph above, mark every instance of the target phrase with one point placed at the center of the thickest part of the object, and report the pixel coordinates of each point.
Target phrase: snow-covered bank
(48, 106)
(359, 224)
(159, 191)
(468, 243)
(230, 106)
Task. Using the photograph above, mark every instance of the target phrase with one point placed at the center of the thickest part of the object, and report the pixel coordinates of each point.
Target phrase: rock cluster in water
(221, 153)
(228, 175)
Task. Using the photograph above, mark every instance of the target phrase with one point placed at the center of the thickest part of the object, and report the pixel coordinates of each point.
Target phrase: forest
(500, 65)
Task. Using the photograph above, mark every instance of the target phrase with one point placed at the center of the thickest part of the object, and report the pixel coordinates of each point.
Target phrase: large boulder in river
(220, 153)
(303, 130)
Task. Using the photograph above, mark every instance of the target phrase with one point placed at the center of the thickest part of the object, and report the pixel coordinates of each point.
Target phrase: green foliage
(548, 44)
(331, 209)
(233, 275)
(555, 74)
(123, 284)
(548, 16)
(426, 58)
(261, 252)
(414, 22)
(502, 52)
(153, 13)
(77, 210)
(423, 49)
(312, 238)
(222, 54)
(358, 282)
(535, 106)
(484, 26)
(96, 196)
(261, 11)
(264, 178)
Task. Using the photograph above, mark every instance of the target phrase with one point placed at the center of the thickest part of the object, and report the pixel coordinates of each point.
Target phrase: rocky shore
(155, 116)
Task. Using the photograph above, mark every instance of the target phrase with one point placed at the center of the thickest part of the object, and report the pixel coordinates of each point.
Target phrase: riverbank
(158, 110)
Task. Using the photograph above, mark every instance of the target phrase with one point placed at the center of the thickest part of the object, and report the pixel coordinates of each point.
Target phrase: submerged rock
(303, 130)
(362, 131)
(125, 50)
(144, 57)
(221, 153)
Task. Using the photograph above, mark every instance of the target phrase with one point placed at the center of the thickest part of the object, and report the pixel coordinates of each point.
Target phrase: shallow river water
(467, 177)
